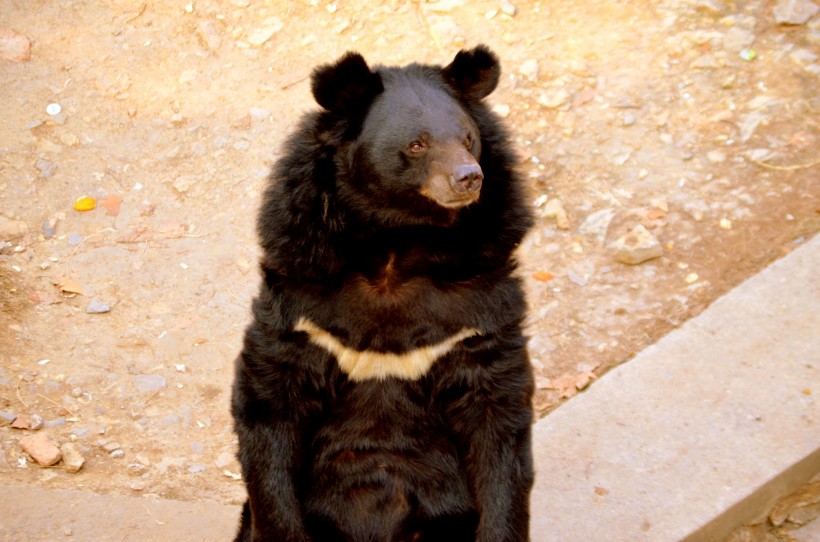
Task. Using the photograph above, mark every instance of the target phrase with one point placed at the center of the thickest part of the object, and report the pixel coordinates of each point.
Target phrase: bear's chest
(390, 327)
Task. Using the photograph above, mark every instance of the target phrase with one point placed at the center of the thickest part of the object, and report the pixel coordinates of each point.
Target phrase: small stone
(637, 246)
(97, 307)
(74, 239)
(266, 31)
(116, 454)
(39, 447)
(224, 459)
(136, 469)
(49, 228)
(46, 168)
(149, 383)
(138, 485)
(597, 224)
(794, 11)
(35, 422)
(529, 69)
(69, 139)
(208, 35)
(508, 8)
(193, 469)
(628, 119)
(716, 156)
(72, 458)
(555, 209)
(552, 99)
(578, 279)
(184, 183)
(7, 418)
(442, 6)
(110, 446)
(259, 114)
(13, 46)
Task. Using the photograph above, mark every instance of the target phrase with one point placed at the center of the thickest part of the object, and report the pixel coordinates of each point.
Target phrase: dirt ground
(697, 119)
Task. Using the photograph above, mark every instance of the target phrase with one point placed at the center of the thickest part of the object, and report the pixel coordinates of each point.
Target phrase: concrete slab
(700, 432)
(34, 514)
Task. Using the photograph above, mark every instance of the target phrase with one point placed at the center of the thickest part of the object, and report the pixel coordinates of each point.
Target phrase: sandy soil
(695, 119)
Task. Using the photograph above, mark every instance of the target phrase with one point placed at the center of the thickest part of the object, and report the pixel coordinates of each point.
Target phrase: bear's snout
(467, 178)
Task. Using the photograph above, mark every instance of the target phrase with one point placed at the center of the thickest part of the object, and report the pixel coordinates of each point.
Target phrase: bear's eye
(416, 146)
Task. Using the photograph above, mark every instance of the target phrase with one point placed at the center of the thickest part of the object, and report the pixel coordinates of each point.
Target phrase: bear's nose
(467, 178)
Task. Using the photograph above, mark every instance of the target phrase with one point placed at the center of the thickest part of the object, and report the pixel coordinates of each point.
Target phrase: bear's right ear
(348, 86)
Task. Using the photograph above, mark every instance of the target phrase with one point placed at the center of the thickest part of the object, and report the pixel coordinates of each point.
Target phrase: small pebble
(97, 307)
(73, 460)
(35, 422)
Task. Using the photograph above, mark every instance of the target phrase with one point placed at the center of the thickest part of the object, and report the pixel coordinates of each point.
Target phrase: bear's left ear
(348, 86)
(473, 74)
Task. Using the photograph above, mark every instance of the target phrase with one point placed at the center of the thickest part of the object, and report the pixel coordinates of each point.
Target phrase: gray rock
(529, 69)
(136, 469)
(269, 27)
(552, 99)
(149, 383)
(72, 458)
(637, 246)
(35, 422)
(97, 307)
(46, 168)
(508, 8)
(597, 224)
(7, 418)
(794, 11)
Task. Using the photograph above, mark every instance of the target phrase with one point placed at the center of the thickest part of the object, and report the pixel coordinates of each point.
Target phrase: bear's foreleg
(492, 422)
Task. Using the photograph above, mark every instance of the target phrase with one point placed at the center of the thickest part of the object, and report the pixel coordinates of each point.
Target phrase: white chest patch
(361, 365)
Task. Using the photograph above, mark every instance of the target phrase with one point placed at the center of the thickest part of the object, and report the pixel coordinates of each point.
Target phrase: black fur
(356, 239)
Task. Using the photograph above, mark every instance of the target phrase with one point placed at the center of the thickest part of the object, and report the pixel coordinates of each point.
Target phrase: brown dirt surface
(630, 112)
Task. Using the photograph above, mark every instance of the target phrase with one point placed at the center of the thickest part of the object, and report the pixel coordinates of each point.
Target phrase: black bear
(383, 393)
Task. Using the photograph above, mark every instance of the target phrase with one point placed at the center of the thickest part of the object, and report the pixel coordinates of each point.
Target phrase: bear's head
(412, 149)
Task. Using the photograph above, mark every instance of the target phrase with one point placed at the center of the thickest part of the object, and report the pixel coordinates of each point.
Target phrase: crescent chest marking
(368, 364)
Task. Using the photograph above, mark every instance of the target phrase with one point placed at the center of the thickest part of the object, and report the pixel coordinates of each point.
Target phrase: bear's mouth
(444, 194)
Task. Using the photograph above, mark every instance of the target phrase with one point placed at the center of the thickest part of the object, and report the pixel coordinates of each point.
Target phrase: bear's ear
(473, 74)
(348, 86)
